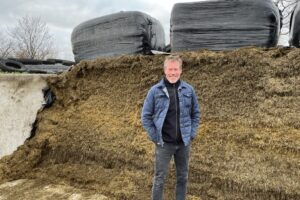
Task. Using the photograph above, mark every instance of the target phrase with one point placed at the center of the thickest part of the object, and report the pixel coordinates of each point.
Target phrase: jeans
(163, 156)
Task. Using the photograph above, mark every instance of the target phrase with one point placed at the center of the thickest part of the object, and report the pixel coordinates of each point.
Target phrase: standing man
(171, 117)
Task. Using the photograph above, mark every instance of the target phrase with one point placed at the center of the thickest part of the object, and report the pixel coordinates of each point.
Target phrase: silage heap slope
(248, 145)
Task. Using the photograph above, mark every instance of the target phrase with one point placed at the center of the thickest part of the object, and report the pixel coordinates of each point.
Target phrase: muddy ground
(248, 144)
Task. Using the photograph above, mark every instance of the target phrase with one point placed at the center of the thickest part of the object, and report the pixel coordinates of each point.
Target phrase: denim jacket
(156, 107)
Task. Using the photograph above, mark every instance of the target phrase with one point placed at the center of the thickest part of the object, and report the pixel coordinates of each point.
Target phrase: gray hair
(173, 58)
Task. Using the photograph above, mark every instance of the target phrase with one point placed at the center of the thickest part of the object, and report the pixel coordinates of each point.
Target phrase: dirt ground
(248, 144)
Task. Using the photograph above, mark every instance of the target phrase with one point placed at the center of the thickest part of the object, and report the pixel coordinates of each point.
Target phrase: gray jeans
(163, 156)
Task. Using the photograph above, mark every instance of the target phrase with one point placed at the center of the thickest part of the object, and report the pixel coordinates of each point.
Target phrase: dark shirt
(171, 127)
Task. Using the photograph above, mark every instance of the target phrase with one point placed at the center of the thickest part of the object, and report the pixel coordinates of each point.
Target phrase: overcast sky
(62, 16)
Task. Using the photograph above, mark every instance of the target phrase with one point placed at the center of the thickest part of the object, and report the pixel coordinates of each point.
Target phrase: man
(171, 117)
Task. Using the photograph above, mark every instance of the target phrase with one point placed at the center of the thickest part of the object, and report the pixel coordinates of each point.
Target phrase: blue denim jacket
(156, 107)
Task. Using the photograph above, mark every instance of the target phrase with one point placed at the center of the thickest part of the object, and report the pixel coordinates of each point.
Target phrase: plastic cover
(295, 27)
(50, 66)
(224, 24)
(50, 69)
(130, 32)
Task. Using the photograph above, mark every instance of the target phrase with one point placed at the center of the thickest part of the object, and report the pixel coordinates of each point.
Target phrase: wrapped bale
(295, 27)
(129, 32)
(224, 24)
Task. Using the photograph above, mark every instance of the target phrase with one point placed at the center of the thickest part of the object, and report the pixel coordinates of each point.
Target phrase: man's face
(172, 71)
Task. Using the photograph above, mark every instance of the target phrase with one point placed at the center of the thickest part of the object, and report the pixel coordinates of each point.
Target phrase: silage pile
(248, 146)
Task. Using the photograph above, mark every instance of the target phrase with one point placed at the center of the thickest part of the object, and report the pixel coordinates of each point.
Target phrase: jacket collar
(168, 84)
(162, 85)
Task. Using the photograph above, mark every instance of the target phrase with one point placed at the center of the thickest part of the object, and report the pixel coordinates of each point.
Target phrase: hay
(248, 142)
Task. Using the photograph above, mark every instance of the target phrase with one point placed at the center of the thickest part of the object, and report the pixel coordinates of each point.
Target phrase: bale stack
(224, 25)
(120, 33)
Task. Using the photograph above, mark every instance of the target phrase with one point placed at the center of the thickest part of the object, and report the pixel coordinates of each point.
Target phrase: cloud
(62, 16)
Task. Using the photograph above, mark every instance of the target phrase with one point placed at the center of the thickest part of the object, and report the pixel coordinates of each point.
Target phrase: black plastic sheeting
(224, 24)
(295, 27)
(49, 66)
(49, 69)
(49, 98)
(129, 32)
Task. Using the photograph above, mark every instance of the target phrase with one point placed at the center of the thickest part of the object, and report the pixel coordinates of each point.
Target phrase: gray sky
(62, 16)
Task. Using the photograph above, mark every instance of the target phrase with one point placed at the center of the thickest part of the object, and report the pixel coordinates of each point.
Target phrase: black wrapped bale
(129, 32)
(224, 24)
(295, 27)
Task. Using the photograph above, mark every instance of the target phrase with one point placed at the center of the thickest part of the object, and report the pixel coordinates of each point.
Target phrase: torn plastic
(224, 24)
(130, 32)
(49, 98)
(294, 39)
